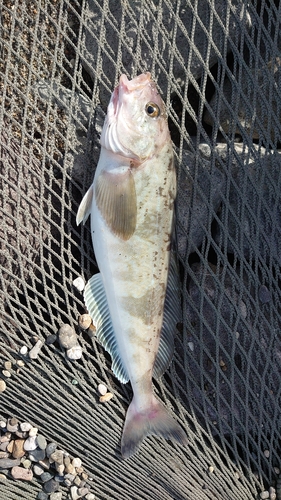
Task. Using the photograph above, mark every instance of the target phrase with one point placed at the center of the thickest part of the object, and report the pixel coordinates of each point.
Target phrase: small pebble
(102, 389)
(20, 363)
(38, 470)
(30, 443)
(23, 350)
(264, 294)
(67, 336)
(18, 451)
(45, 463)
(74, 493)
(12, 424)
(56, 496)
(51, 486)
(6, 373)
(74, 381)
(76, 462)
(77, 481)
(25, 426)
(60, 469)
(266, 453)
(8, 463)
(106, 397)
(46, 476)
(26, 463)
(33, 431)
(84, 321)
(90, 496)
(82, 492)
(74, 353)
(3, 477)
(272, 493)
(51, 339)
(264, 495)
(211, 469)
(2, 385)
(51, 447)
(34, 352)
(70, 469)
(191, 346)
(8, 365)
(22, 473)
(57, 456)
(59, 479)
(79, 283)
(276, 469)
(10, 447)
(3, 424)
(37, 455)
(42, 496)
(41, 442)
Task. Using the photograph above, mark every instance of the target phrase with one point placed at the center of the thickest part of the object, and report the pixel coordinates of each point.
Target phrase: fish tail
(155, 420)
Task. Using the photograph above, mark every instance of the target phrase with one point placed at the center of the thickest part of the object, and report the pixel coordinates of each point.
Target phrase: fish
(134, 299)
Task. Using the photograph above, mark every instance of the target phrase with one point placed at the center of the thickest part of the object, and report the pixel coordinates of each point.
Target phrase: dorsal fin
(171, 316)
(96, 303)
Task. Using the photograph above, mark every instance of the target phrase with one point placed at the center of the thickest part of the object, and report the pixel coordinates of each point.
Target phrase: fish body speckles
(131, 203)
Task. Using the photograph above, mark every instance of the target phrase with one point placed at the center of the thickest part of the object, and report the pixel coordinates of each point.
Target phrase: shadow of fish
(131, 203)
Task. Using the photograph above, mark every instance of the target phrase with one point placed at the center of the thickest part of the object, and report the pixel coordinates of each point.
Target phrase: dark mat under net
(218, 65)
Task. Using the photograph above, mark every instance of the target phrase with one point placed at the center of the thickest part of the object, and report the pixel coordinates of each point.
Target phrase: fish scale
(134, 300)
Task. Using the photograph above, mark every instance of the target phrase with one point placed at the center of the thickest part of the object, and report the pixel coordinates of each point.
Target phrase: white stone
(2, 385)
(30, 443)
(76, 462)
(79, 283)
(38, 470)
(33, 431)
(33, 353)
(23, 350)
(75, 352)
(25, 426)
(74, 493)
(191, 346)
(102, 389)
(90, 496)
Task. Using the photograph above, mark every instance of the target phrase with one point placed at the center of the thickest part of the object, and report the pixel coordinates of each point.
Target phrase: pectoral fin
(116, 199)
(84, 209)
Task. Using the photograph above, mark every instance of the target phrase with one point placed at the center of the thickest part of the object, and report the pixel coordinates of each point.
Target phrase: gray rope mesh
(217, 64)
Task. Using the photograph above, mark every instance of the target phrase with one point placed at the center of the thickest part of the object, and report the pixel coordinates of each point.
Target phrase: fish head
(136, 123)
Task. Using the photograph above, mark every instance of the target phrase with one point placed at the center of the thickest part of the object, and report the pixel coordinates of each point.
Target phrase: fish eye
(152, 109)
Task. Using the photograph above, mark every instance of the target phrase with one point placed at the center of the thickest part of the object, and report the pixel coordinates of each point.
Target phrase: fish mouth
(136, 83)
(126, 86)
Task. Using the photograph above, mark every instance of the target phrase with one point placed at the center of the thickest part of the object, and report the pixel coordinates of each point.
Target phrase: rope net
(218, 66)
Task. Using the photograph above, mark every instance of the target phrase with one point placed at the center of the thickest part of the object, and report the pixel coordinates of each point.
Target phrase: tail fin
(155, 420)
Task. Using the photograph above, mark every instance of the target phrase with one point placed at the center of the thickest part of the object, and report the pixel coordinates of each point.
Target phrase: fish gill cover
(217, 65)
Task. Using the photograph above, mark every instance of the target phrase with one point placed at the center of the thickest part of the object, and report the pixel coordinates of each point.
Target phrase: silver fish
(131, 202)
